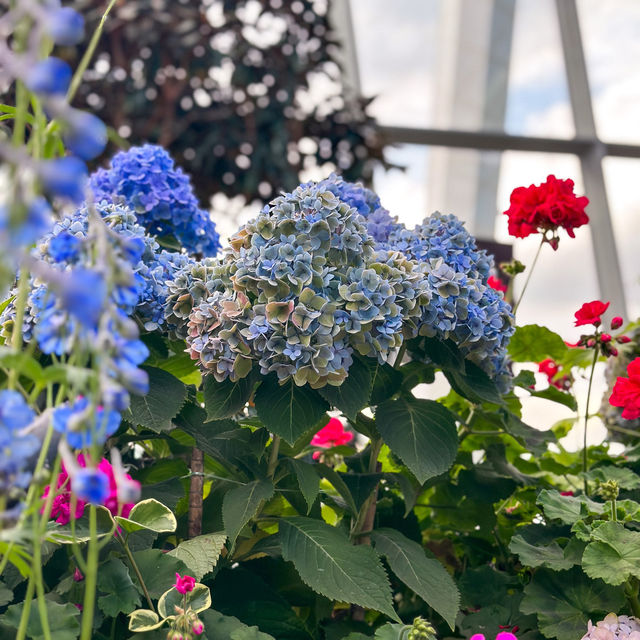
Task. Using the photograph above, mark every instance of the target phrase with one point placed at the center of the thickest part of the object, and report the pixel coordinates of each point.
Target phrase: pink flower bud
(616, 322)
(605, 337)
(77, 575)
(623, 339)
(197, 628)
(613, 351)
(591, 343)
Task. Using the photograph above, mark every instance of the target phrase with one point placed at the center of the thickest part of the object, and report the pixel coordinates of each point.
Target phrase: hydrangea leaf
(158, 569)
(421, 432)
(385, 381)
(121, 595)
(288, 410)
(564, 601)
(225, 399)
(338, 484)
(360, 485)
(353, 394)
(420, 571)
(156, 409)
(149, 514)
(199, 600)
(144, 620)
(534, 439)
(333, 567)
(474, 384)
(221, 627)
(201, 553)
(614, 554)
(64, 623)
(555, 395)
(240, 504)
(308, 480)
(533, 343)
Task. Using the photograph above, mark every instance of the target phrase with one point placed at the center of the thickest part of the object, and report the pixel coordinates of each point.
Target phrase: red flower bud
(566, 493)
(197, 628)
(605, 337)
(623, 339)
(613, 351)
(77, 575)
(591, 343)
(616, 322)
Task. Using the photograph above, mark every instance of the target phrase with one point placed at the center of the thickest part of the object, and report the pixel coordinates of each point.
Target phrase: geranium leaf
(199, 599)
(421, 432)
(333, 567)
(158, 570)
(614, 554)
(121, 595)
(420, 571)
(144, 620)
(64, 623)
(568, 509)
(533, 343)
(149, 514)
(221, 627)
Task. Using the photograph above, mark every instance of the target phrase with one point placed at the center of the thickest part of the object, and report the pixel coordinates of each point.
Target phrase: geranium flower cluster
(299, 288)
(146, 179)
(17, 446)
(463, 304)
(545, 208)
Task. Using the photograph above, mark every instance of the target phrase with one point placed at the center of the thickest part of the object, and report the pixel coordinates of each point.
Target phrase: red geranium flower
(331, 435)
(497, 284)
(626, 392)
(548, 367)
(590, 312)
(184, 583)
(545, 208)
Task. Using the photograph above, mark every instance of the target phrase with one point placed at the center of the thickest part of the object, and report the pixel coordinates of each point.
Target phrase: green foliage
(199, 599)
(330, 565)
(221, 627)
(148, 514)
(241, 504)
(354, 393)
(225, 399)
(120, 594)
(144, 620)
(63, 619)
(421, 432)
(613, 555)
(200, 554)
(533, 343)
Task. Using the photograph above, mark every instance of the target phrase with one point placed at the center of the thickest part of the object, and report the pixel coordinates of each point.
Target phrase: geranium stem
(526, 282)
(585, 458)
(136, 570)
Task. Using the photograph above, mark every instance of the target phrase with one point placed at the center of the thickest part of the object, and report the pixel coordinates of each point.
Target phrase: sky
(403, 73)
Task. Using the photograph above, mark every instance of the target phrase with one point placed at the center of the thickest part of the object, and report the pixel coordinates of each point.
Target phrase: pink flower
(331, 435)
(184, 583)
(77, 575)
(197, 628)
(61, 507)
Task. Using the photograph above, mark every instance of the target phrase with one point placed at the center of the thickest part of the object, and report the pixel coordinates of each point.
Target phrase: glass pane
(538, 98)
(612, 50)
(624, 202)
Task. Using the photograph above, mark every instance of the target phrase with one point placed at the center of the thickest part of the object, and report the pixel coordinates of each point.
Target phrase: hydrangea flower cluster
(614, 627)
(16, 446)
(300, 287)
(463, 304)
(146, 179)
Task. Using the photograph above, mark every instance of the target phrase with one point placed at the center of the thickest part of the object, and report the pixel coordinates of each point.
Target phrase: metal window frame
(586, 145)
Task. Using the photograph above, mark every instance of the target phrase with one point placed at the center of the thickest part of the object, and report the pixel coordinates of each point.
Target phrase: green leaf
(443, 353)
(421, 432)
(149, 514)
(156, 409)
(158, 570)
(221, 627)
(390, 631)
(6, 595)
(200, 554)
(530, 547)
(333, 567)
(361, 485)
(533, 439)
(287, 410)
(240, 504)
(308, 480)
(144, 620)
(225, 399)
(182, 367)
(353, 394)
(625, 478)
(568, 509)
(420, 571)
(614, 554)
(565, 601)
(555, 395)
(533, 343)
(64, 623)
(474, 384)
(21, 363)
(385, 381)
(199, 600)
(121, 594)
(338, 484)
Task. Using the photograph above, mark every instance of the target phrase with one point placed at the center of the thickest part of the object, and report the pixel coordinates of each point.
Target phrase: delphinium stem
(91, 577)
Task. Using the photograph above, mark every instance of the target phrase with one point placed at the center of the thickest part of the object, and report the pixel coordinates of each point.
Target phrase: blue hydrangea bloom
(146, 179)
(16, 447)
(83, 425)
(91, 485)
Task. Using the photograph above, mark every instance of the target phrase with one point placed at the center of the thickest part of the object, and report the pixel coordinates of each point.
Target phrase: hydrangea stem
(585, 456)
(91, 577)
(526, 282)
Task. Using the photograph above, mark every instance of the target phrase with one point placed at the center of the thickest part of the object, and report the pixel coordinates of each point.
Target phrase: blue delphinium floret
(298, 290)
(84, 425)
(146, 179)
(16, 446)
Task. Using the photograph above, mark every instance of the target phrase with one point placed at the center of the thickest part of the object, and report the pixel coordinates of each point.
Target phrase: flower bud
(65, 26)
(49, 77)
(616, 322)
(623, 339)
(197, 627)
(77, 575)
(85, 134)
(605, 337)
(65, 177)
(613, 351)
(591, 343)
